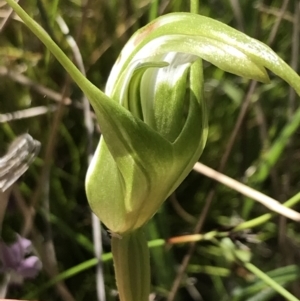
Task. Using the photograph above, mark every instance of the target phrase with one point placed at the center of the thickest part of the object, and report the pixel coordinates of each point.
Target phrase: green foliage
(263, 145)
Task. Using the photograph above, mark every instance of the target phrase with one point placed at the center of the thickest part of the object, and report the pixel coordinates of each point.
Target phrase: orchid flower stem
(132, 266)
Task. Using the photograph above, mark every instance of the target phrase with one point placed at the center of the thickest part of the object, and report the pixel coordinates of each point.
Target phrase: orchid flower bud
(153, 119)
(136, 169)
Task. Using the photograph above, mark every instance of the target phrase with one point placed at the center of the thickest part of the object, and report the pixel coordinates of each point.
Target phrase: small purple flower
(16, 262)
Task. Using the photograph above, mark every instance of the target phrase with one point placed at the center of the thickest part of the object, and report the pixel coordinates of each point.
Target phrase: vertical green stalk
(132, 266)
(194, 6)
(196, 76)
(153, 11)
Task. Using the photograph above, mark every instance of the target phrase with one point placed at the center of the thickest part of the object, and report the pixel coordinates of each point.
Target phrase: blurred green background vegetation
(246, 119)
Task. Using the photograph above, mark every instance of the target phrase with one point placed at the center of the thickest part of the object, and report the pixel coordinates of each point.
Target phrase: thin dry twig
(9, 13)
(279, 19)
(27, 113)
(24, 80)
(273, 11)
(237, 11)
(265, 200)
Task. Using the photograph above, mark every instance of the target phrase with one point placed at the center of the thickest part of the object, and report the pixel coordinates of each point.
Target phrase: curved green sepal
(206, 38)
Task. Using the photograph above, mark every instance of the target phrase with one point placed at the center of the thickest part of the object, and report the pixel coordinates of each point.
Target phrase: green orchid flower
(152, 117)
(138, 168)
